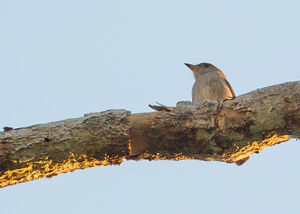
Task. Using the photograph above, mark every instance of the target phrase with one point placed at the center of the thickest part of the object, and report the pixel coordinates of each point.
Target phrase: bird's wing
(227, 83)
(229, 86)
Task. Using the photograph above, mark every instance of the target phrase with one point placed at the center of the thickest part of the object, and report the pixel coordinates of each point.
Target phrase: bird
(210, 83)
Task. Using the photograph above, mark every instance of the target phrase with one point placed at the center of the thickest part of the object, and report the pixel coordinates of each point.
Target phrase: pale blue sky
(60, 59)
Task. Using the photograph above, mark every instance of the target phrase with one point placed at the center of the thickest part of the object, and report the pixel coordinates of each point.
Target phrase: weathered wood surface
(230, 131)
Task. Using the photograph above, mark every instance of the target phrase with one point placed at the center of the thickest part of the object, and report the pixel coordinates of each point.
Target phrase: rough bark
(228, 131)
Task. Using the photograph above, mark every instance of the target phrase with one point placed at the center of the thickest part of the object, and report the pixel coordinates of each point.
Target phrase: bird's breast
(210, 87)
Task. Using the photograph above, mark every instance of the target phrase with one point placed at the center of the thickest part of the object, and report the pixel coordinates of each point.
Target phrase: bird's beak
(192, 67)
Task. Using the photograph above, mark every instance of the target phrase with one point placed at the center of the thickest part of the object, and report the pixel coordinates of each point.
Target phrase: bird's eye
(206, 65)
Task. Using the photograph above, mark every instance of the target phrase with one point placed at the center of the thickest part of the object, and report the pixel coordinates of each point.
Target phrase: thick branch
(229, 131)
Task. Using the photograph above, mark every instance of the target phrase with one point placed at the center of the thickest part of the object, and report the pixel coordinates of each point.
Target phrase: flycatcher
(210, 83)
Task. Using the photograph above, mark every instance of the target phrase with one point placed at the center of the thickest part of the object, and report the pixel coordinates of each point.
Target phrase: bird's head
(202, 68)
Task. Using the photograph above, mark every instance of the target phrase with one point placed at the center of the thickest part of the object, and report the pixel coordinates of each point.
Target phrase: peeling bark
(229, 131)
(50, 149)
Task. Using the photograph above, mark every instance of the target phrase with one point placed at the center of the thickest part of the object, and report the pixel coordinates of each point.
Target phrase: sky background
(60, 59)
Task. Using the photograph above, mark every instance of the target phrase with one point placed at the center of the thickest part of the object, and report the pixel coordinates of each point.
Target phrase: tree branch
(228, 131)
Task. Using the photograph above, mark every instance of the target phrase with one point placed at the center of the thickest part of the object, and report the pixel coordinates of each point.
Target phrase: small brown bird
(210, 83)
